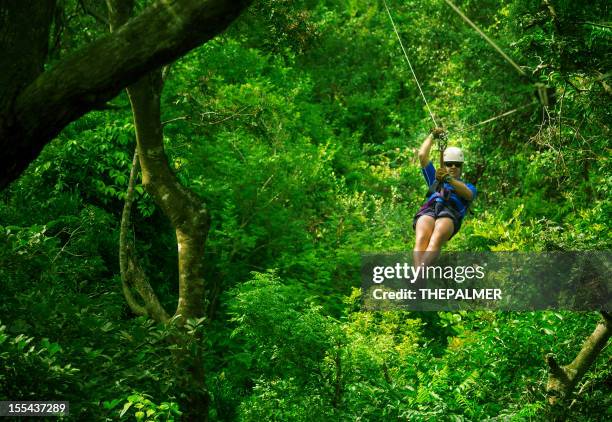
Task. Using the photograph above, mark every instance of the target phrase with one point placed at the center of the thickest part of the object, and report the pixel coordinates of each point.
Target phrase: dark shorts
(439, 210)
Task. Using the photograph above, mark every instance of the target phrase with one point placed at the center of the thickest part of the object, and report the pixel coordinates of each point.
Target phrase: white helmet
(453, 154)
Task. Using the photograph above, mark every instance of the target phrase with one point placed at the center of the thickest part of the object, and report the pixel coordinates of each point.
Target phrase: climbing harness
(442, 144)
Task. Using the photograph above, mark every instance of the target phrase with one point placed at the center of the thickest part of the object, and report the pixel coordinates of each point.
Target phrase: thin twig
(231, 116)
(599, 25)
(75, 231)
(175, 120)
(587, 382)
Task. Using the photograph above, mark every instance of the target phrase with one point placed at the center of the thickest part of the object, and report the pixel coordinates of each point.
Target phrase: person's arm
(461, 189)
(425, 148)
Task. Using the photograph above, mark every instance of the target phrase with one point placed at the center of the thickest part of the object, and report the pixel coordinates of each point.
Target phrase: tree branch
(563, 379)
(95, 74)
(599, 25)
(553, 15)
(132, 273)
(602, 80)
(176, 119)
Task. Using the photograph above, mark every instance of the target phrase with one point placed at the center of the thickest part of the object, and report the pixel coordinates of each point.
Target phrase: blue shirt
(461, 204)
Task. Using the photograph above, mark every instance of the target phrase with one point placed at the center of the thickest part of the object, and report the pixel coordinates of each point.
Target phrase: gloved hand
(438, 132)
(442, 176)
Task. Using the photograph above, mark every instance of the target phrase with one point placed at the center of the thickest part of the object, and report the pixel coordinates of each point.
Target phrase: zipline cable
(487, 39)
(546, 95)
(409, 64)
(493, 44)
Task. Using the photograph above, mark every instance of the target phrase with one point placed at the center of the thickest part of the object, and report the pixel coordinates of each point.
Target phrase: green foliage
(25, 362)
(140, 407)
(298, 127)
(296, 335)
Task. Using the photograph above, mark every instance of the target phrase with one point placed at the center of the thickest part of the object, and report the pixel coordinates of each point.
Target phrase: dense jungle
(187, 188)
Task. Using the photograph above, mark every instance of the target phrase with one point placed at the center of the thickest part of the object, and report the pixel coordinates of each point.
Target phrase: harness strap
(437, 187)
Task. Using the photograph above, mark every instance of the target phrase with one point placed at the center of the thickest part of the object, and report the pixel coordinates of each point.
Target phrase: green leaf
(125, 408)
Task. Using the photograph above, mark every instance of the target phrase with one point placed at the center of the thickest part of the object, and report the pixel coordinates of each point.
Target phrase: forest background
(298, 128)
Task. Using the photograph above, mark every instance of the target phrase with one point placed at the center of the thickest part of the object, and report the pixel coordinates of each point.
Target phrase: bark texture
(186, 212)
(17, 36)
(563, 379)
(36, 106)
(133, 277)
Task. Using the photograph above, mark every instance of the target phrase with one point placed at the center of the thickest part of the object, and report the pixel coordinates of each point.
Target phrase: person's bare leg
(443, 230)
(424, 229)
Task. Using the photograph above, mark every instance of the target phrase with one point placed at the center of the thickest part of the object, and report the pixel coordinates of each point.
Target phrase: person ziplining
(449, 197)
(447, 201)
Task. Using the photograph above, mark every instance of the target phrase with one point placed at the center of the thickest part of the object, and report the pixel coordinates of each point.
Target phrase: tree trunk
(132, 274)
(35, 105)
(187, 214)
(24, 37)
(563, 379)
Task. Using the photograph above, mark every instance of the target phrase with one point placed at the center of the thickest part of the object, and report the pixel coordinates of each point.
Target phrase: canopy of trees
(240, 157)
